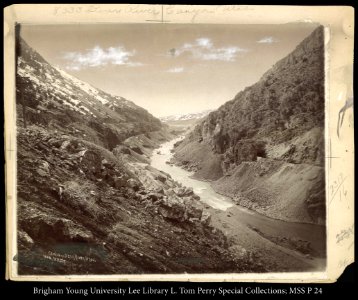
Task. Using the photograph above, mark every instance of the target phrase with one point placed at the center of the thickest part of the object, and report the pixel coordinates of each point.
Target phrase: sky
(167, 69)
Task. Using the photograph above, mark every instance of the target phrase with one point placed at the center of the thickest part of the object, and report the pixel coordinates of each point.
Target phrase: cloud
(97, 56)
(267, 40)
(204, 42)
(73, 68)
(203, 49)
(176, 70)
(224, 54)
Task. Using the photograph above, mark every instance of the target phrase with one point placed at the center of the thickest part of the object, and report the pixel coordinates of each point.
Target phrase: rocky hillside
(82, 211)
(55, 99)
(276, 123)
(88, 203)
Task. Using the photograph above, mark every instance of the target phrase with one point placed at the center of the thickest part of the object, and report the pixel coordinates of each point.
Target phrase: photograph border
(339, 33)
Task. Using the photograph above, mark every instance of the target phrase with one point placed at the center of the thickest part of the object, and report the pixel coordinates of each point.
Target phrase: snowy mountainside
(185, 117)
(54, 98)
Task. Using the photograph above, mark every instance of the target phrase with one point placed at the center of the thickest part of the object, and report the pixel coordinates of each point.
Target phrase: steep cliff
(277, 121)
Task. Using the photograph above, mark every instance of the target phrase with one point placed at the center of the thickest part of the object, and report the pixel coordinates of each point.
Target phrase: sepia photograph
(178, 143)
(169, 148)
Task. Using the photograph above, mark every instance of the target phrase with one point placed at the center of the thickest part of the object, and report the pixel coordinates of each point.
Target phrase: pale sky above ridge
(167, 68)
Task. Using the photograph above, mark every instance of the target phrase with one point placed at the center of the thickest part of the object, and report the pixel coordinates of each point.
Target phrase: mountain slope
(56, 99)
(185, 122)
(87, 202)
(186, 117)
(278, 120)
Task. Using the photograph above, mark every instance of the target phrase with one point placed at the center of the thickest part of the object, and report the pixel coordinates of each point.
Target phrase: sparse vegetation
(281, 117)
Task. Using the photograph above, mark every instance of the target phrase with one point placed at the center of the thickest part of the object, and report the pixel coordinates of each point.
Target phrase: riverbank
(160, 159)
(281, 249)
(277, 245)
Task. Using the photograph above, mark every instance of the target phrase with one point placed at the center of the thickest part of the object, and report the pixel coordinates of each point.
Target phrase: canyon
(104, 187)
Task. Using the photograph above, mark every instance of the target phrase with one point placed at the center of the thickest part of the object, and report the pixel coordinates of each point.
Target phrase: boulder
(136, 149)
(173, 212)
(24, 240)
(105, 163)
(65, 144)
(122, 149)
(134, 184)
(159, 190)
(41, 172)
(188, 191)
(179, 191)
(195, 197)
(119, 182)
(169, 192)
(47, 228)
(161, 178)
(205, 218)
(183, 191)
(43, 168)
(154, 196)
(193, 211)
(54, 142)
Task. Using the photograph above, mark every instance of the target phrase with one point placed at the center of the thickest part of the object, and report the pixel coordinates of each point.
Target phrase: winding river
(201, 188)
(315, 234)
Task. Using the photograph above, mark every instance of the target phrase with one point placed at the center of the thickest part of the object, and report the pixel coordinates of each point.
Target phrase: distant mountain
(54, 98)
(186, 117)
(278, 121)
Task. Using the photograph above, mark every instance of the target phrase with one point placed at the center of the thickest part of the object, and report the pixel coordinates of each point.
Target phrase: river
(315, 234)
(201, 188)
